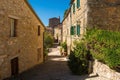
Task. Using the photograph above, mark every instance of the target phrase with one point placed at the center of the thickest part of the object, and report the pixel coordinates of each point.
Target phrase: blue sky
(46, 9)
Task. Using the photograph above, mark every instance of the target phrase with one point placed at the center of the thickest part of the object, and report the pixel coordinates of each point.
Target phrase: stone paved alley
(55, 68)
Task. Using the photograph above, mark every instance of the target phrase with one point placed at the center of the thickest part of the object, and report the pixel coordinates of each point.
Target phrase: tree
(65, 12)
(48, 42)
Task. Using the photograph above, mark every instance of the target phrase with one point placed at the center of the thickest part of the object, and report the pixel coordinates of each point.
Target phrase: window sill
(78, 8)
(76, 36)
(13, 36)
(74, 13)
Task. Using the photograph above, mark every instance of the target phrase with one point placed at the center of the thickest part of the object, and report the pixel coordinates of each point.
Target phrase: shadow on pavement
(55, 68)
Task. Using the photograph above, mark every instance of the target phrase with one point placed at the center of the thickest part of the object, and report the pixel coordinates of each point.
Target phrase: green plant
(48, 42)
(65, 13)
(78, 62)
(45, 52)
(104, 46)
(64, 46)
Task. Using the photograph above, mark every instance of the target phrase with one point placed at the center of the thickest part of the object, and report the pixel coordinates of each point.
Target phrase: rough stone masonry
(25, 49)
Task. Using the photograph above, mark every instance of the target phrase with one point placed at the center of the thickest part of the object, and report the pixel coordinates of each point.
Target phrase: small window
(78, 3)
(13, 24)
(38, 30)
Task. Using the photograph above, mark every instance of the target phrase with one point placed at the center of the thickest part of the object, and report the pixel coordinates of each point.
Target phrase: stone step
(97, 78)
(94, 76)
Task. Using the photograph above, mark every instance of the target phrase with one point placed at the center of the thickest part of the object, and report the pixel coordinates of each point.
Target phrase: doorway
(14, 67)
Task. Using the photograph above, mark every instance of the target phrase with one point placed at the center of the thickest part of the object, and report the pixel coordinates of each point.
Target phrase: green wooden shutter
(78, 29)
(72, 30)
(73, 7)
(78, 3)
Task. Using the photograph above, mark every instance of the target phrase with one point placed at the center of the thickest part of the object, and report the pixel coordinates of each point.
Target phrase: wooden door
(14, 67)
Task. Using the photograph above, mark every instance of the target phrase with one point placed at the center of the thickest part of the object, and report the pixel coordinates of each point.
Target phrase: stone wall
(104, 71)
(27, 41)
(64, 29)
(57, 33)
(104, 14)
(53, 22)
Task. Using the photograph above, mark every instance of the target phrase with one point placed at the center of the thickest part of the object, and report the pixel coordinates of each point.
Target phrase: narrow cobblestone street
(56, 39)
(55, 68)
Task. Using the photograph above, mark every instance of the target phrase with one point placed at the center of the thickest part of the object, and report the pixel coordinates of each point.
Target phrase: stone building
(54, 22)
(101, 14)
(58, 33)
(66, 37)
(104, 14)
(21, 38)
(96, 13)
(49, 30)
(79, 10)
(74, 23)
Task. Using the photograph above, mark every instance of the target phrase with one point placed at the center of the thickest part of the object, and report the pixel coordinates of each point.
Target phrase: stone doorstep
(95, 76)
(55, 79)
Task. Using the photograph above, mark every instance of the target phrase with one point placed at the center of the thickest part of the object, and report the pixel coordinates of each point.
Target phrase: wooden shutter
(73, 7)
(72, 30)
(78, 29)
(78, 3)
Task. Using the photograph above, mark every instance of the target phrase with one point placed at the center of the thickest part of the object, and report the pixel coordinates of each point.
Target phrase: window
(78, 3)
(73, 7)
(78, 30)
(38, 30)
(13, 24)
(39, 54)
